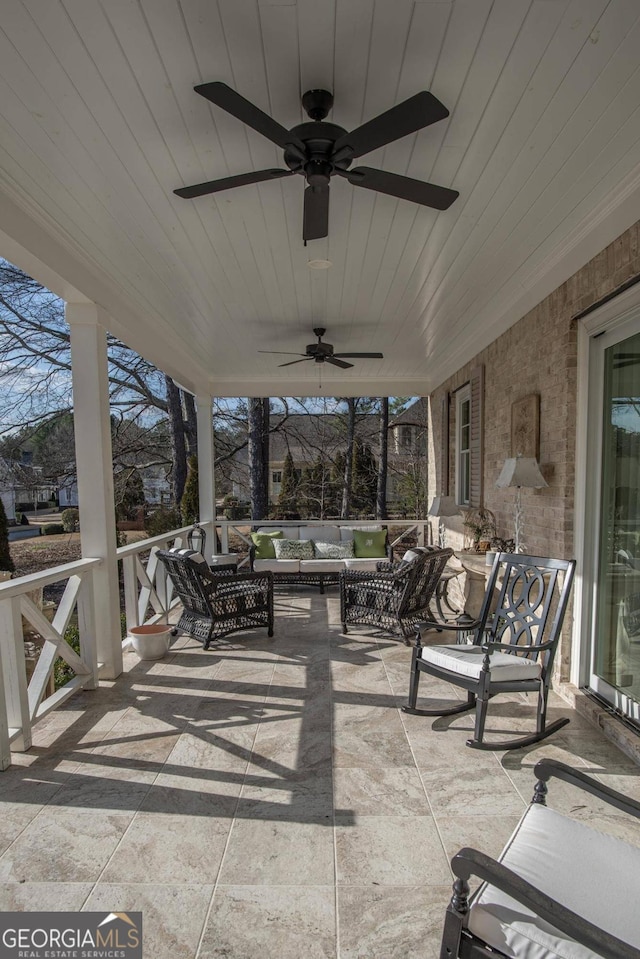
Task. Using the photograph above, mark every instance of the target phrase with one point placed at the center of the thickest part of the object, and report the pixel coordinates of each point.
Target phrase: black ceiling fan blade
(228, 182)
(303, 360)
(417, 191)
(281, 352)
(407, 117)
(340, 363)
(315, 224)
(361, 356)
(226, 98)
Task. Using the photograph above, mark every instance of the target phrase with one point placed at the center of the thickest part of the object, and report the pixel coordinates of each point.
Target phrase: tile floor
(267, 798)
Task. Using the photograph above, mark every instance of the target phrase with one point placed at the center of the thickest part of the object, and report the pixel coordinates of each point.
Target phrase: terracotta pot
(150, 642)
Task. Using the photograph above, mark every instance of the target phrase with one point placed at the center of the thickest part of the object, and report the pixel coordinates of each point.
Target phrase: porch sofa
(323, 553)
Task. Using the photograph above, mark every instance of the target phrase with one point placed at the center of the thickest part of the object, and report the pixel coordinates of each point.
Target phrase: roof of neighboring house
(413, 415)
(303, 434)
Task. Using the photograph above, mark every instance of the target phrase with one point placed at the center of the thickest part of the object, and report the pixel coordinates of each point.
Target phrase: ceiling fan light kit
(318, 150)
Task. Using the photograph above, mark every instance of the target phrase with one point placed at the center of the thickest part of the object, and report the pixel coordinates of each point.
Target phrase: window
(463, 446)
(276, 476)
(405, 436)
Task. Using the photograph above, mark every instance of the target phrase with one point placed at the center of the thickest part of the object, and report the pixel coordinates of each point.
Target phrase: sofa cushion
(324, 550)
(591, 873)
(293, 548)
(362, 565)
(321, 565)
(276, 565)
(328, 534)
(288, 532)
(263, 543)
(369, 543)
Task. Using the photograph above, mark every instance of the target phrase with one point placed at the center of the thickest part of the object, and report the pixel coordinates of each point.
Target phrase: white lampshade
(443, 506)
(521, 471)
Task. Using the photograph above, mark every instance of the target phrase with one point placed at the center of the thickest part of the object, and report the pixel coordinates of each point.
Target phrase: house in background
(7, 491)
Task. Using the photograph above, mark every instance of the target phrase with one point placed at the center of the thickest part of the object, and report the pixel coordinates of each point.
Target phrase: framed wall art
(525, 426)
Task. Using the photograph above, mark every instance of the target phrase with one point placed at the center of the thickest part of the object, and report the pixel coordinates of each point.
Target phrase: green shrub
(52, 529)
(189, 504)
(70, 520)
(6, 563)
(163, 520)
(62, 672)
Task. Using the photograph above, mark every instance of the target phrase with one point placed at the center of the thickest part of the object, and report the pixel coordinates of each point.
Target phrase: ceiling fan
(318, 150)
(323, 353)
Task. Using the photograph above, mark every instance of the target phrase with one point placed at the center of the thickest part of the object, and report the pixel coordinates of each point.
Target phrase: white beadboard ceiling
(99, 124)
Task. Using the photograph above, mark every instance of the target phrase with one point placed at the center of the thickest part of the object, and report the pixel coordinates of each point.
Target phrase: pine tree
(364, 478)
(6, 563)
(288, 498)
(190, 502)
(129, 493)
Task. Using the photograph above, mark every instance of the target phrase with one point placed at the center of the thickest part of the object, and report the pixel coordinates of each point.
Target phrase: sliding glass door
(615, 660)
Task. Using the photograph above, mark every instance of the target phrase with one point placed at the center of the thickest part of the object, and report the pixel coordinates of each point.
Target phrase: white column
(94, 463)
(206, 483)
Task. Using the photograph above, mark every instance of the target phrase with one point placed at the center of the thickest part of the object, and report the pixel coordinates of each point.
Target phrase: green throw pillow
(368, 543)
(264, 544)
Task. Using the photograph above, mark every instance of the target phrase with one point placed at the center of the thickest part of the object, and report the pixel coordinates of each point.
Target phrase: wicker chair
(396, 597)
(220, 601)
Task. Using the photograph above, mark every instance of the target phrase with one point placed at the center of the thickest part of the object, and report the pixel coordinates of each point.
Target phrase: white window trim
(463, 395)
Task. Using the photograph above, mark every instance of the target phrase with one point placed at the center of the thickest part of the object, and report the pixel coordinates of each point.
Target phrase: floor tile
(391, 922)
(295, 921)
(173, 916)
(390, 851)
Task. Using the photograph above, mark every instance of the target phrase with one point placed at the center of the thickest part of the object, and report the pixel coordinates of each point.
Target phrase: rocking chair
(511, 651)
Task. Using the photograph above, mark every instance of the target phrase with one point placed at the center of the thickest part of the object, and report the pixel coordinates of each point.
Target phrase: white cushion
(326, 534)
(288, 532)
(321, 565)
(364, 565)
(594, 875)
(467, 661)
(190, 553)
(276, 565)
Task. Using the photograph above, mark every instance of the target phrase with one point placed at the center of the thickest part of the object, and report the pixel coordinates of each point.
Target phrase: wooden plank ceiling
(99, 124)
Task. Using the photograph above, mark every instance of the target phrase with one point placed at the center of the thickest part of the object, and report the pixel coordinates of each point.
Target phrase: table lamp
(442, 506)
(520, 471)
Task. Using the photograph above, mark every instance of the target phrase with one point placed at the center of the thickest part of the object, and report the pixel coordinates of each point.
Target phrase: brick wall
(536, 355)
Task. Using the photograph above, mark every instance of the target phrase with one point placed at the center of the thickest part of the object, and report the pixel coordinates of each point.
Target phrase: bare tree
(383, 440)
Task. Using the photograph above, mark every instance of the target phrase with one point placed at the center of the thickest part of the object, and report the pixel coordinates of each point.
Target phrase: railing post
(14, 673)
(87, 629)
(206, 484)
(92, 428)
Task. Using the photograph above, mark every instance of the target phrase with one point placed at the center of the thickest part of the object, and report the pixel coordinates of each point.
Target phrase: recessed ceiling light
(319, 264)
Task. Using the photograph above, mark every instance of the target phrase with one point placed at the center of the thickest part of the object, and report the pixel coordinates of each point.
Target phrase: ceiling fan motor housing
(319, 139)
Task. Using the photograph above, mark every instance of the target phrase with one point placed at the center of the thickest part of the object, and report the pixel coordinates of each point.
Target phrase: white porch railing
(24, 702)
(149, 598)
(148, 591)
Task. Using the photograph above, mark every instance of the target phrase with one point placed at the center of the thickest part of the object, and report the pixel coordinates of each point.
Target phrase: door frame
(620, 315)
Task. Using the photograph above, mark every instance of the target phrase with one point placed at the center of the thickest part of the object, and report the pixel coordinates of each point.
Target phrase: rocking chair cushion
(575, 865)
(467, 661)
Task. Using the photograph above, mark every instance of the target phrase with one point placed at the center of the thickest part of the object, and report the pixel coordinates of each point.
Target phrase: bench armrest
(546, 769)
(470, 862)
